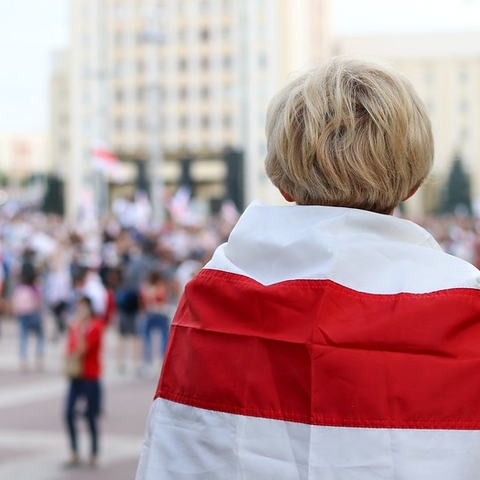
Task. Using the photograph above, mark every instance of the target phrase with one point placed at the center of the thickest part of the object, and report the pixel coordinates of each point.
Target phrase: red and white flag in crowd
(179, 204)
(105, 160)
(321, 343)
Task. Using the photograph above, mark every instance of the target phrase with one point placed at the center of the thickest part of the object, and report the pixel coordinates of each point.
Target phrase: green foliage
(53, 200)
(456, 195)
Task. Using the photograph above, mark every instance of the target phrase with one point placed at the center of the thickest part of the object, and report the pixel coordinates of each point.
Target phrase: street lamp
(155, 36)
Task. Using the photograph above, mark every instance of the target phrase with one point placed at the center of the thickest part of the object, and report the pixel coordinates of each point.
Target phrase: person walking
(83, 367)
(154, 292)
(58, 291)
(27, 305)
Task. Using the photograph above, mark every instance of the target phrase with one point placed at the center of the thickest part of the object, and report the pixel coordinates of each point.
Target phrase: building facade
(23, 155)
(59, 121)
(161, 80)
(445, 70)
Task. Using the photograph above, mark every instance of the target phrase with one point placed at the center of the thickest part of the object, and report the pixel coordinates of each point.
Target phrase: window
(205, 122)
(463, 106)
(182, 35)
(141, 66)
(464, 134)
(429, 77)
(463, 76)
(119, 96)
(64, 146)
(227, 5)
(205, 63)
(87, 125)
(226, 33)
(142, 124)
(119, 39)
(227, 62)
(119, 124)
(262, 60)
(183, 93)
(205, 6)
(182, 64)
(141, 94)
(205, 92)
(204, 35)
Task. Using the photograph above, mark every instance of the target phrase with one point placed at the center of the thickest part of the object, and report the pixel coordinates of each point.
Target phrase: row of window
(124, 9)
(184, 93)
(142, 123)
(183, 64)
(463, 106)
(430, 77)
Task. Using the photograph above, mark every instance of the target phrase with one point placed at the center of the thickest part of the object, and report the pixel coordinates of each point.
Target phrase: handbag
(73, 367)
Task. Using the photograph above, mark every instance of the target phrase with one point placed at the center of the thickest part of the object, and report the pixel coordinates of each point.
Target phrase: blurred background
(106, 99)
(132, 137)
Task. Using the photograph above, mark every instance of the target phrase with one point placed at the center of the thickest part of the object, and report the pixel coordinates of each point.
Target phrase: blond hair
(350, 133)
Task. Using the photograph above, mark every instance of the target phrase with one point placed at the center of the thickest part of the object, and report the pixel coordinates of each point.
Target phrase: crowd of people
(133, 276)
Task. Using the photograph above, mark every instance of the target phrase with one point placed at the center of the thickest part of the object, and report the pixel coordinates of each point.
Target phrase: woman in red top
(85, 340)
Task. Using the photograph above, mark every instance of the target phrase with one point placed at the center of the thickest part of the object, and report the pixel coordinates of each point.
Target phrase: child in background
(84, 346)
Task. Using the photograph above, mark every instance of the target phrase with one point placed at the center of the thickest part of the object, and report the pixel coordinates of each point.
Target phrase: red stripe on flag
(315, 352)
(104, 155)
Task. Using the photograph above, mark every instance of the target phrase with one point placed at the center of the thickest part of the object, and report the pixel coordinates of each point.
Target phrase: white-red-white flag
(321, 343)
(105, 160)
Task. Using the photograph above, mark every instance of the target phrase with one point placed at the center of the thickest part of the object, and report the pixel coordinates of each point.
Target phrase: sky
(31, 29)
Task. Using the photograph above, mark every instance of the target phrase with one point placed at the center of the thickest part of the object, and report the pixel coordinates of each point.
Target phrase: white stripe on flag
(193, 443)
(365, 251)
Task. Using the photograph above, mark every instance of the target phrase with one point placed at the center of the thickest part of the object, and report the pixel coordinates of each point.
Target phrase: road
(33, 440)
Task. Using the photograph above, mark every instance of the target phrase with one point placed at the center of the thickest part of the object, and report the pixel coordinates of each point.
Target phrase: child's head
(351, 133)
(85, 308)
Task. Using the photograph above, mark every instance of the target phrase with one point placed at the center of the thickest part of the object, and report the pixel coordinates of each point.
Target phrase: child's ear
(286, 196)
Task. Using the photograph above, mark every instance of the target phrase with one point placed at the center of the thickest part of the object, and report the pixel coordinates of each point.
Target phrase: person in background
(27, 306)
(85, 344)
(58, 290)
(154, 294)
(89, 284)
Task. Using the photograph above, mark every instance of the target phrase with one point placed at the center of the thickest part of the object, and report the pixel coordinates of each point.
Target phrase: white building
(24, 154)
(184, 77)
(59, 121)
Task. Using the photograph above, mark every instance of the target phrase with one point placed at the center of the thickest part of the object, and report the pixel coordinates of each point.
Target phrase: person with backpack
(27, 307)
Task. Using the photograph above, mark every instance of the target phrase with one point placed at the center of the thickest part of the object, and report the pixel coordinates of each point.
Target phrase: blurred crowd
(457, 235)
(133, 272)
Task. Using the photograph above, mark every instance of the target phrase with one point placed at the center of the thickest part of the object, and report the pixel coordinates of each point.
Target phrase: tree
(457, 190)
(53, 200)
(235, 180)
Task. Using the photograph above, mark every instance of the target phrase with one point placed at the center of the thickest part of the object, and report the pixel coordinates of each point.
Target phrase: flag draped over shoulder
(321, 343)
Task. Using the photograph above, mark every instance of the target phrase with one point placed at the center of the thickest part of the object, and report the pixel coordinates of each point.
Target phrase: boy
(327, 339)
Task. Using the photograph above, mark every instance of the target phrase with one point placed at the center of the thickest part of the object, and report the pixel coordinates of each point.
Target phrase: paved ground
(33, 441)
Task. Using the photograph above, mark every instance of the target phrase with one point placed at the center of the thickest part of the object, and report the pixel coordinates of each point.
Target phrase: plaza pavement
(33, 440)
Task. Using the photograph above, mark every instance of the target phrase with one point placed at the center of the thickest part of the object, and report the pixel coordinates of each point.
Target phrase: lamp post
(155, 36)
